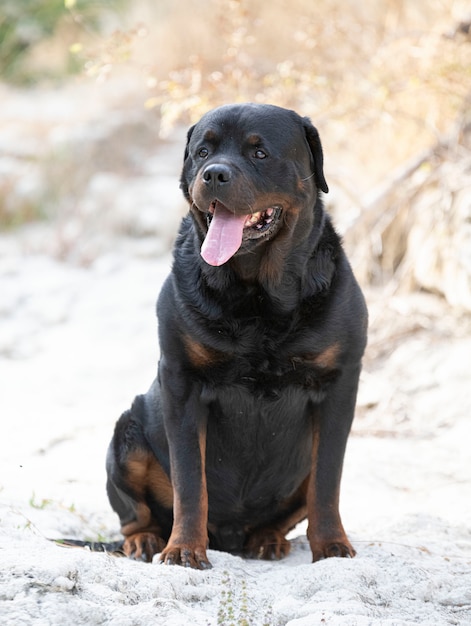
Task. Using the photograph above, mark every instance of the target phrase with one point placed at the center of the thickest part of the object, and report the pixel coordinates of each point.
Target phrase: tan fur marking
(143, 518)
(199, 355)
(325, 531)
(301, 184)
(197, 530)
(144, 472)
(189, 532)
(312, 484)
(327, 359)
(272, 265)
(160, 485)
(291, 521)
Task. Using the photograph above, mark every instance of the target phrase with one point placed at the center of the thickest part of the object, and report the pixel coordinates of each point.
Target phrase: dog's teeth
(261, 219)
(252, 219)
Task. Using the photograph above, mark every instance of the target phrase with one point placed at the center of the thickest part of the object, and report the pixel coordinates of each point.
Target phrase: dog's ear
(186, 165)
(314, 142)
(188, 137)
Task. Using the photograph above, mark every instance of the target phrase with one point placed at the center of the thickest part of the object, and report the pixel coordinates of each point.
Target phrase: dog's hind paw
(267, 543)
(142, 546)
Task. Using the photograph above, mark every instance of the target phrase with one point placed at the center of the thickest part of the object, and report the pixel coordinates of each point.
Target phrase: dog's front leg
(185, 425)
(326, 534)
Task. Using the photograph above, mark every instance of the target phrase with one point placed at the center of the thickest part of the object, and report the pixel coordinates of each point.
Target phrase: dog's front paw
(142, 546)
(186, 555)
(327, 549)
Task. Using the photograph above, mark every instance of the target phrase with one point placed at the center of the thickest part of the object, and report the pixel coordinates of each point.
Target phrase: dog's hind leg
(138, 488)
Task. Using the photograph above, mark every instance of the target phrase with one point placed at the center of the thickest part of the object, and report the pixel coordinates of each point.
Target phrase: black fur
(248, 419)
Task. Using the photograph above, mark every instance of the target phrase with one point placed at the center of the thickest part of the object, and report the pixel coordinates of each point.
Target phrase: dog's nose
(216, 174)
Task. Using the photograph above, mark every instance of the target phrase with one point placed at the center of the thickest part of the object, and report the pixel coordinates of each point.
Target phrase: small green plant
(233, 607)
(16, 211)
(268, 619)
(39, 504)
(230, 604)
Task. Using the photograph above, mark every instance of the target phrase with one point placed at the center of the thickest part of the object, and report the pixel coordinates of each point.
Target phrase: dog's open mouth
(227, 231)
(255, 224)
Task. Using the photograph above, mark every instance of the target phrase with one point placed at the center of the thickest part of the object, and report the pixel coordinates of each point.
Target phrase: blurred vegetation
(37, 28)
(387, 82)
(396, 70)
(392, 70)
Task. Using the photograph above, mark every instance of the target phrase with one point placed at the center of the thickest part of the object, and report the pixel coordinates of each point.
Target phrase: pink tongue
(224, 236)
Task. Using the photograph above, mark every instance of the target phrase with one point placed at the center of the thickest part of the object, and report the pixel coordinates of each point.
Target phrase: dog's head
(250, 172)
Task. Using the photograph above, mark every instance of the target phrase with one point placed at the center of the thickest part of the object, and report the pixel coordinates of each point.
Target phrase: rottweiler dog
(262, 328)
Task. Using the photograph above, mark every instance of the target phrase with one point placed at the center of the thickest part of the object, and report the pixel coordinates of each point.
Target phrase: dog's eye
(260, 154)
(203, 153)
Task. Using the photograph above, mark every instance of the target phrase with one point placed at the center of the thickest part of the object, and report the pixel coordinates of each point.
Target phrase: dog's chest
(265, 358)
(258, 447)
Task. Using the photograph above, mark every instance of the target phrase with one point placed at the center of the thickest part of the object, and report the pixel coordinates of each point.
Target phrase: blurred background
(91, 88)
(95, 96)
(95, 100)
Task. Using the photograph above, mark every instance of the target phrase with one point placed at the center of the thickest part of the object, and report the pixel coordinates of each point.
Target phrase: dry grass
(387, 82)
(382, 80)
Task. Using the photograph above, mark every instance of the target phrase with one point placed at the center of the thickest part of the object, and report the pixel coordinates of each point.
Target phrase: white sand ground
(78, 344)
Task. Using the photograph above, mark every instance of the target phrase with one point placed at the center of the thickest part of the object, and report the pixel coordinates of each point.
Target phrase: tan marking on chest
(327, 359)
(200, 355)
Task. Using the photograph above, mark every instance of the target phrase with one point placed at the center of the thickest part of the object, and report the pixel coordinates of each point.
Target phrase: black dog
(262, 329)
